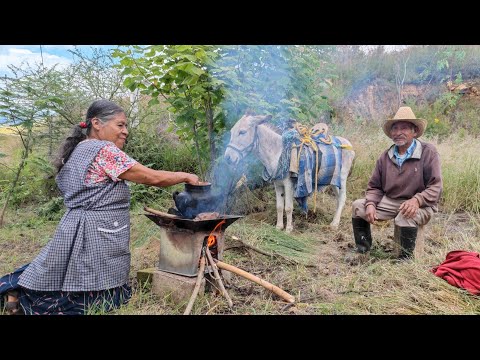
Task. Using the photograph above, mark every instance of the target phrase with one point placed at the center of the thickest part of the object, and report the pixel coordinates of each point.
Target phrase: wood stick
(197, 286)
(275, 289)
(218, 278)
(156, 212)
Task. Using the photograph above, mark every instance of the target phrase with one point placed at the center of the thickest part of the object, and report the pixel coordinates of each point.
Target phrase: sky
(387, 48)
(58, 54)
(52, 54)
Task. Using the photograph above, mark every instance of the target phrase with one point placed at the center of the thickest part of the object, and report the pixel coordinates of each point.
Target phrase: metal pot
(196, 199)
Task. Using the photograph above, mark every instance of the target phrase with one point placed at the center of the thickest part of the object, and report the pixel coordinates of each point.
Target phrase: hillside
(378, 101)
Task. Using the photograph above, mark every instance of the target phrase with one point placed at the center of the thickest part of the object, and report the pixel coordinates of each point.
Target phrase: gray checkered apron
(90, 248)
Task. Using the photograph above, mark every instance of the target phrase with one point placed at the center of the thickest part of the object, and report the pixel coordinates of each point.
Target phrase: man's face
(403, 133)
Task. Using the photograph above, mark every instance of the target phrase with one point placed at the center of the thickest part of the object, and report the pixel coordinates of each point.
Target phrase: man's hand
(409, 208)
(371, 213)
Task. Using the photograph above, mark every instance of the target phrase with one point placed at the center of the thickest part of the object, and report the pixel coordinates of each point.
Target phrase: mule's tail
(351, 167)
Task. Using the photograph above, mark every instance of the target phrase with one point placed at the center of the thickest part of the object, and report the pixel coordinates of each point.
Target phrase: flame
(211, 238)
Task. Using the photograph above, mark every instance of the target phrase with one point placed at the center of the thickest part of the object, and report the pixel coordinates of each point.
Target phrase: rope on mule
(306, 138)
(309, 137)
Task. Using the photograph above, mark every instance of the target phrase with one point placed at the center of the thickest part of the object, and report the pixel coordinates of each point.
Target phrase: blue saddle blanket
(329, 169)
(329, 165)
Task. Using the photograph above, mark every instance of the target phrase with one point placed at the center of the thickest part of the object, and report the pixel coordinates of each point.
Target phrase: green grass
(328, 285)
(300, 248)
(312, 264)
(461, 174)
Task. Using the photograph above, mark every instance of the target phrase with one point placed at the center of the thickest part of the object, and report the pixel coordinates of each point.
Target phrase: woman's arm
(143, 175)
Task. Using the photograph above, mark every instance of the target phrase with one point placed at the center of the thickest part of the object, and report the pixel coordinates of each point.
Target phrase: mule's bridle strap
(239, 151)
(243, 152)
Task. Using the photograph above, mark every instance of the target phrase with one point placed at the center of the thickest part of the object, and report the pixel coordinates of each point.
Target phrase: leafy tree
(285, 81)
(207, 86)
(449, 58)
(182, 76)
(23, 102)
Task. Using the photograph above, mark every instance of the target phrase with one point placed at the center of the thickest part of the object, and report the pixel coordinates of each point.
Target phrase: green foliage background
(197, 92)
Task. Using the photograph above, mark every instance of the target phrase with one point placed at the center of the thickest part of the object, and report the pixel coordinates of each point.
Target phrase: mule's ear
(263, 118)
(260, 119)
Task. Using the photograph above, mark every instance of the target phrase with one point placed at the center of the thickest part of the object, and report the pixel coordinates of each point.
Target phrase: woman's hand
(191, 179)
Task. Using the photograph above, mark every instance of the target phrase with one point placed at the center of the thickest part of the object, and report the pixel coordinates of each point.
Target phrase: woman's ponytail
(78, 134)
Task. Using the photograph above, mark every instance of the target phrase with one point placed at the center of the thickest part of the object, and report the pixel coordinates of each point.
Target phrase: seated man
(406, 184)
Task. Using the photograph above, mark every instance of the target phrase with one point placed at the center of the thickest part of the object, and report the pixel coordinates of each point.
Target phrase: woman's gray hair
(104, 110)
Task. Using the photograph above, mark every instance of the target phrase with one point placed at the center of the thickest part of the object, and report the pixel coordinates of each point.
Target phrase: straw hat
(405, 113)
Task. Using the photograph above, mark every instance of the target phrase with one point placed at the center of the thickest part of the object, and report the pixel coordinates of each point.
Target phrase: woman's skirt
(63, 302)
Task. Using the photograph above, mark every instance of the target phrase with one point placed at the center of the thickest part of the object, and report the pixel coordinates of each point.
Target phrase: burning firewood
(207, 216)
(218, 278)
(197, 286)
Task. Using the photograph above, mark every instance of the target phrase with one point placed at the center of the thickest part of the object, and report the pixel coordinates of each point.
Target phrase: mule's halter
(243, 152)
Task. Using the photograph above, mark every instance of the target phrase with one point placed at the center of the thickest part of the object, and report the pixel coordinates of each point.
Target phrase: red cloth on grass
(461, 269)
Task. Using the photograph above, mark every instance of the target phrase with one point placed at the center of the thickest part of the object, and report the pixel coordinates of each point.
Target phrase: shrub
(53, 209)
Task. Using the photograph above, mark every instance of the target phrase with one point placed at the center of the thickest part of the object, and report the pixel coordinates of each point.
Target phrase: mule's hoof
(288, 230)
(334, 226)
(279, 227)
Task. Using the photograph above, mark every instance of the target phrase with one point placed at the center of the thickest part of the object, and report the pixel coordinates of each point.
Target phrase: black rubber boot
(362, 235)
(408, 236)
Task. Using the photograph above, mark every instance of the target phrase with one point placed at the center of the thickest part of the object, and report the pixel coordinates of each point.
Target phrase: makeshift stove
(191, 250)
(182, 240)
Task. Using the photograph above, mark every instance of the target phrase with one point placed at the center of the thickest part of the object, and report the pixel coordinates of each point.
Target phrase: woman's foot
(12, 306)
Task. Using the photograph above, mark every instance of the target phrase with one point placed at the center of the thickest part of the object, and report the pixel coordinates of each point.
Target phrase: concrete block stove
(181, 243)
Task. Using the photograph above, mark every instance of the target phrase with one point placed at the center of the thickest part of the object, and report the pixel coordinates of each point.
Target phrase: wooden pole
(156, 212)
(197, 286)
(218, 278)
(275, 289)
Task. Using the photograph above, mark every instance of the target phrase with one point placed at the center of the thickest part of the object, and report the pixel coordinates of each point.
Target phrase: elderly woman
(86, 264)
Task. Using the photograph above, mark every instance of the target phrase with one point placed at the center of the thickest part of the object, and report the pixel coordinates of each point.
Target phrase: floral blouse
(109, 163)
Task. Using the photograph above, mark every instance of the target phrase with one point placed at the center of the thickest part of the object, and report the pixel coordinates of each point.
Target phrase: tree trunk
(211, 140)
(197, 146)
(50, 138)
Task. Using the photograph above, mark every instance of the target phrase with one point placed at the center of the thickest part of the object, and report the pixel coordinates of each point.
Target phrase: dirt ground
(332, 279)
(313, 264)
